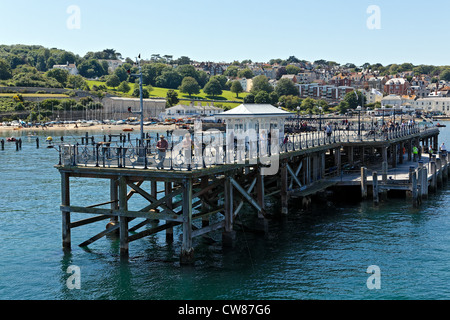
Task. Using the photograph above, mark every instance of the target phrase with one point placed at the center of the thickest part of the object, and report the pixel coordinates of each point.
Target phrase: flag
(376, 92)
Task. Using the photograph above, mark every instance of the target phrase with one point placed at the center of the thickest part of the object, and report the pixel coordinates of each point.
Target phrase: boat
(440, 125)
(11, 139)
(127, 129)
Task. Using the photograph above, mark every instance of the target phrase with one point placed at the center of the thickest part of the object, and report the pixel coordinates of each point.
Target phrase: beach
(107, 128)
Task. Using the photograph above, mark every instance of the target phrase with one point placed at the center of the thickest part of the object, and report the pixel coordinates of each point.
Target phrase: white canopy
(254, 110)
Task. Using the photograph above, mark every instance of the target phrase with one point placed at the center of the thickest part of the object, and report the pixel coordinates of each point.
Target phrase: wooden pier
(203, 196)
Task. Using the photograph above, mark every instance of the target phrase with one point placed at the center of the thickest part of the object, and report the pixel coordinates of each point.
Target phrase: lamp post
(320, 118)
(359, 120)
(383, 108)
(141, 101)
(298, 117)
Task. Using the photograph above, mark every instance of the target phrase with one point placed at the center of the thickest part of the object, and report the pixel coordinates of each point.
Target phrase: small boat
(440, 125)
(127, 129)
(11, 139)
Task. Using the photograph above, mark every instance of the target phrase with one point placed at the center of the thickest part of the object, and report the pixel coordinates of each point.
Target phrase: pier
(208, 176)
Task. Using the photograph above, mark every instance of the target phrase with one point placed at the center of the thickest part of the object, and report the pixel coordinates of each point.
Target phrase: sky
(346, 31)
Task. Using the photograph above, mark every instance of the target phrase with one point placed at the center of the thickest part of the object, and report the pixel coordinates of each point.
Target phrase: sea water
(321, 254)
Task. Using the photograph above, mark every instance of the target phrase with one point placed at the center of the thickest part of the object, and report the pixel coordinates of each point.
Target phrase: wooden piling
(187, 251)
(123, 219)
(284, 189)
(433, 184)
(415, 198)
(376, 198)
(65, 201)
(363, 182)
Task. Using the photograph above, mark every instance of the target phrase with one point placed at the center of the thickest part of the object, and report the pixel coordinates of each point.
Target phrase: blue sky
(411, 31)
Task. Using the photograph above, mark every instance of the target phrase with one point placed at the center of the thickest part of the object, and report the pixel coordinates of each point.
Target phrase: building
(291, 77)
(394, 100)
(398, 86)
(191, 111)
(439, 105)
(113, 64)
(249, 120)
(116, 108)
(69, 67)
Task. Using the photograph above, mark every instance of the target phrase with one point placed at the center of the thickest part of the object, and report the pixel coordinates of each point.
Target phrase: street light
(141, 111)
(359, 120)
(298, 117)
(383, 108)
(320, 118)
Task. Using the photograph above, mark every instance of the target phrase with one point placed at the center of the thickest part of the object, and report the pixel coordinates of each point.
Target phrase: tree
(261, 83)
(232, 71)
(183, 60)
(213, 87)
(113, 81)
(245, 73)
(222, 80)
(250, 98)
(186, 70)
(354, 99)
(137, 93)
(262, 97)
(5, 70)
(122, 73)
(236, 87)
(60, 75)
(190, 86)
(172, 98)
(92, 68)
(286, 87)
(124, 87)
(77, 82)
(445, 75)
(291, 69)
(169, 79)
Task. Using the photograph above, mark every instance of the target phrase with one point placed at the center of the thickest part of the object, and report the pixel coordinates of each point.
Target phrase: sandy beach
(11, 131)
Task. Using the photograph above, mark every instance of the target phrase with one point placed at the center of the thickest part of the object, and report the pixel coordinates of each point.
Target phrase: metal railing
(210, 148)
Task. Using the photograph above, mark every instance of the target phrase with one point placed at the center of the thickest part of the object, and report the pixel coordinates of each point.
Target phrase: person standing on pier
(443, 149)
(162, 145)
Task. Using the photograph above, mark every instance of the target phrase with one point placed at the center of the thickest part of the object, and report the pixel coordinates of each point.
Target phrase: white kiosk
(249, 123)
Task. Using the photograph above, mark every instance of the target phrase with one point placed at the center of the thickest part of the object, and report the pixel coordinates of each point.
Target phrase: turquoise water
(319, 255)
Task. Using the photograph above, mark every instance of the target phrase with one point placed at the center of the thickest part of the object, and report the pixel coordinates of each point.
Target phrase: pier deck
(211, 182)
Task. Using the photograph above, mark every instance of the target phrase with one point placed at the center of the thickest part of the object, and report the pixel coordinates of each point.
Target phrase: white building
(248, 119)
(113, 64)
(191, 111)
(433, 104)
(394, 100)
(69, 67)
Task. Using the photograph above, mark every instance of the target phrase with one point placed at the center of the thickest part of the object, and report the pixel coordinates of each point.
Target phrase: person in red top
(162, 145)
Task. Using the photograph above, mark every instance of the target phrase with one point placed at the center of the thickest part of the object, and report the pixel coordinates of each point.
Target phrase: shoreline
(97, 128)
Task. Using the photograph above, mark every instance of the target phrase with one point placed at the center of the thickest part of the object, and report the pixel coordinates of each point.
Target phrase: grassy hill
(162, 92)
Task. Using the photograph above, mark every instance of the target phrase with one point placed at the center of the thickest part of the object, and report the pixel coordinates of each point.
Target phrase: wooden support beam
(250, 188)
(294, 175)
(168, 191)
(415, 197)
(65, 201)
(88, 221)
(228, 235)
(164, 215)
(155, 202)
(187, 251)
(376, 198)
(284, 188)
(123, 220)
(246, 195)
